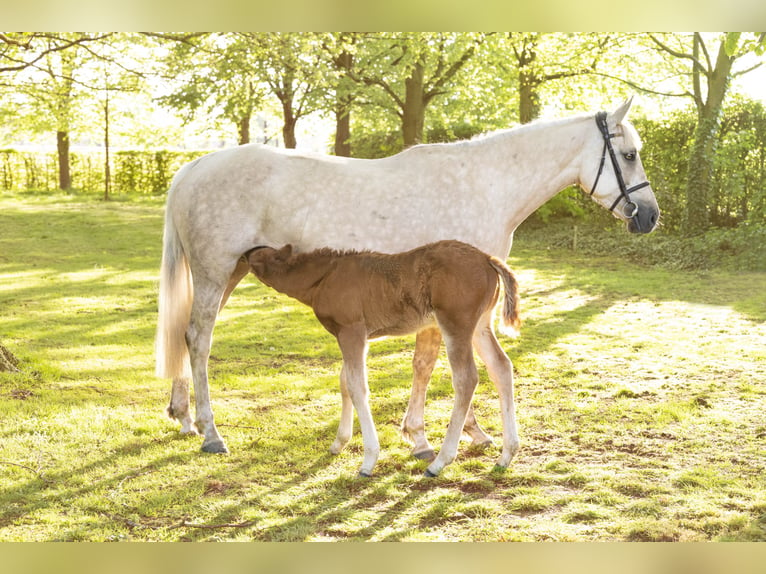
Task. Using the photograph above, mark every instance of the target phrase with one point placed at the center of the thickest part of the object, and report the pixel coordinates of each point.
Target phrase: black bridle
(630, 210)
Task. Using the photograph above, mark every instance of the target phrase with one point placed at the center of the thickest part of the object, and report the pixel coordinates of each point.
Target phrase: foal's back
(389, 294)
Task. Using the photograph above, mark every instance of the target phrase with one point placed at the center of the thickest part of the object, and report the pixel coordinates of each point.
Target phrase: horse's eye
(630, 156)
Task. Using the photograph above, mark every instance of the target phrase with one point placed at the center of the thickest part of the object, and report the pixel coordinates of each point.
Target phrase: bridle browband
(630, 210)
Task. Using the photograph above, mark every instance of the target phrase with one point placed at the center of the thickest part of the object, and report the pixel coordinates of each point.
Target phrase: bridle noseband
(630, 210)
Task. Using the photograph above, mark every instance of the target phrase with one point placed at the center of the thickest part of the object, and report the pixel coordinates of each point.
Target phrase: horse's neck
(543, 159)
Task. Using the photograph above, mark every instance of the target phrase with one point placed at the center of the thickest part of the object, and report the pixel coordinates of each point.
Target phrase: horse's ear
(621, 113)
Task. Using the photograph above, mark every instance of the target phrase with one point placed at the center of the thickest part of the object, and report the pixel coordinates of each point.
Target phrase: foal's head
(265, 261)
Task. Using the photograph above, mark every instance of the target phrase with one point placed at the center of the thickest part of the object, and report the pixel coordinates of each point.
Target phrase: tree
(542, 58)
(45, 68)
(340, 49)
(294, 68)
(710, 73)
(216, 74)
(407, 72)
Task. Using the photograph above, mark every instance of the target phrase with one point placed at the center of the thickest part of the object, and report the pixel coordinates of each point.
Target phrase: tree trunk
(107, 169)
(62, 143)
(243, 130)
(529, 100)
(699, 176)
(413, 114)
(700, 172)
(343, 131)
(288, 129)
(343, 109)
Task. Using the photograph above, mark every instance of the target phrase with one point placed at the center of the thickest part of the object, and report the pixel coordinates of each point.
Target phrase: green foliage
(738, 190)
(133, 172)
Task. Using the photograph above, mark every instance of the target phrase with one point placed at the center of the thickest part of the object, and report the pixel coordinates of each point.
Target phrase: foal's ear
(621, 113)
(285, 253)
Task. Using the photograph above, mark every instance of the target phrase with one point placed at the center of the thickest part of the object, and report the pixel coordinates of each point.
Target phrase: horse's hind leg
(242, 269)
(199, 337)
(178, 408)
(500, 371)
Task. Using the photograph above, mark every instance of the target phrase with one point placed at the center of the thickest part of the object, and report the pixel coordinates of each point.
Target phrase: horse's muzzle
(645, 219)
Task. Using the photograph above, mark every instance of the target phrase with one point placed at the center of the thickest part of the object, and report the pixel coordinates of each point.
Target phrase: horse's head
(612, 173)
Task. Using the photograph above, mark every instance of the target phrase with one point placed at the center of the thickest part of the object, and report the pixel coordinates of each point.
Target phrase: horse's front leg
(353, 346)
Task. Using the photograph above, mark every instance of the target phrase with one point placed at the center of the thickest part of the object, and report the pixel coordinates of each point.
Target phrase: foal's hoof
(428, 455)
(215, 447)
(429, 474)
(363, 474)
(489, 443)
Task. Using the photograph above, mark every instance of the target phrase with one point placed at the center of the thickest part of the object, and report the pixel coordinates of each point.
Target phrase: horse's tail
(510, 320)
(175, 300)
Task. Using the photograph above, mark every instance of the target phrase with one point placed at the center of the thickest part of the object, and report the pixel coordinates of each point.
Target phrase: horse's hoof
(499, 469)
(483, 445)
(428, 455)
(215, 447)
(429, 474)
(363, 474)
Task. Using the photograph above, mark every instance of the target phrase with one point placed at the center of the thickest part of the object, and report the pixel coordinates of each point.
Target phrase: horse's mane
(512, 132)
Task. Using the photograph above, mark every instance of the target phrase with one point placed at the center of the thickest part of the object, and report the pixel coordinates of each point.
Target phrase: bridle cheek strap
(631, 209)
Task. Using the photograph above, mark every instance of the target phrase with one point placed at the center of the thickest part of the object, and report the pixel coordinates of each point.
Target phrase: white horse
(478, 191)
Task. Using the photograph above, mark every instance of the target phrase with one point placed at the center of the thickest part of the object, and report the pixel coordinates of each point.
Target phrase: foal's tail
(175, 300)
(510, 322)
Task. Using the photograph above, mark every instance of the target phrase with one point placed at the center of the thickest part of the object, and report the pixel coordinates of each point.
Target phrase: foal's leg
(346, 425)
(199, 337)
(179, 395)
(500, 371)
(465, 377)
(353, 346)
(427, 344)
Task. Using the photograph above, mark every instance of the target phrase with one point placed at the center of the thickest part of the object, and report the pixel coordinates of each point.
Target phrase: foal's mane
(322, 253)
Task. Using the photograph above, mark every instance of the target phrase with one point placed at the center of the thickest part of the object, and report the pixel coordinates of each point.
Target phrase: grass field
(641, 395)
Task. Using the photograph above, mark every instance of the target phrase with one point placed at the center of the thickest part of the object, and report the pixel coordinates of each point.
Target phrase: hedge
(137, 172)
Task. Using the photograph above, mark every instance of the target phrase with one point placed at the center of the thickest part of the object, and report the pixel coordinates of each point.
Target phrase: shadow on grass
(50, 243)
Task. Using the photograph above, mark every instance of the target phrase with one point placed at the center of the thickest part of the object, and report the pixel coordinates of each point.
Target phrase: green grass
(640, 396)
